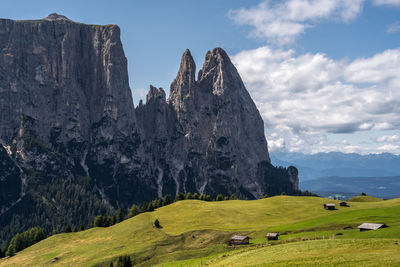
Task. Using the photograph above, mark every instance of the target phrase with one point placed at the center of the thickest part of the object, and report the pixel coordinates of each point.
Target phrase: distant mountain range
(333, 173)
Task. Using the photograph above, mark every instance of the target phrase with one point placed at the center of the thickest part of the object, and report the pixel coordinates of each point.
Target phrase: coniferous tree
(202, 197)
(180, 196)
(208, 198)
(219, 198)
(81, 227)
(133, 211)
(68, 229)
(188, 195)
(150, 207)
(167, 200)
(75, 229)
(226, 198)
(124, 261)
(195, 196)
(120, 216)
(143, 207)
(233, 197)
(99, 221)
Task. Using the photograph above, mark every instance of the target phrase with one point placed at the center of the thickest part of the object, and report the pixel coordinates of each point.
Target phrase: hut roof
(272, 234)
(239, 237)
(371, 226)
(330, 205)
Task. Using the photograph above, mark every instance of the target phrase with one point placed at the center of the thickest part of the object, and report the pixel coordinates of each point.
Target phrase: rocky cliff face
(66, 114)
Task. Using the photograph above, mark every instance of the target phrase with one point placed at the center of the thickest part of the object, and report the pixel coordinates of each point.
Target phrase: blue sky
(325, 74)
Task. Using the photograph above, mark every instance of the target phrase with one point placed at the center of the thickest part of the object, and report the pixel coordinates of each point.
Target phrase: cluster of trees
(24, 240)
(107, 220)
(122, 261)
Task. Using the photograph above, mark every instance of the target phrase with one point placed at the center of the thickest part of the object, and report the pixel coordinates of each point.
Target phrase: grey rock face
(210, 134)
(66, 112)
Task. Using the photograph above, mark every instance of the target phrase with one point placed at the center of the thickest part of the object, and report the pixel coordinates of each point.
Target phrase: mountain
(383, 187)
(312, 166)
(74, 145)
(341, 175)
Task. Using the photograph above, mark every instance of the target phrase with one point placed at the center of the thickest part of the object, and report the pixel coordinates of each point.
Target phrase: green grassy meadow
(194, 233)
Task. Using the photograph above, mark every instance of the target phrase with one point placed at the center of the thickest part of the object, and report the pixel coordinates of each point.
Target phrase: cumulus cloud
(302, 98)
(281, 22)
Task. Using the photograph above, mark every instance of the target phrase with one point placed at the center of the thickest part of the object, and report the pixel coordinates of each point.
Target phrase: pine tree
(150, 207)
(180, 196)
(68, 229)
(124, 261)
(81, 227)
(219, 198)
(134, 210)
(120, 216)
(167, 200)
(188, 195)
(233, 197)
(75, 229)
(195, 196)
(99, 221)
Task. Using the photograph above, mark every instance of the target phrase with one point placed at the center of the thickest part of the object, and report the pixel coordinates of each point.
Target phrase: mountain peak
(185, 79)
(218, 72)
(56, 17)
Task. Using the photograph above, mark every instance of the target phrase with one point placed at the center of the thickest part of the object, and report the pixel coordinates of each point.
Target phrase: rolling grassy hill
(195, 232)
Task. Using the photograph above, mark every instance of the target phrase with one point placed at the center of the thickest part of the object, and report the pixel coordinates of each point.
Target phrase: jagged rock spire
(218, 72)
(155, 93)
(185, 80)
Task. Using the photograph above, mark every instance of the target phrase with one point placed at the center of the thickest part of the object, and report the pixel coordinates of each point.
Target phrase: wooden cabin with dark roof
(272, 236)
(239, 240)
(330, 206)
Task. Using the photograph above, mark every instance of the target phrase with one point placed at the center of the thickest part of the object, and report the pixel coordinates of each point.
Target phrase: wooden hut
(344, 204)
(272, 236)
(239, 240)
(371, 226)
(330, 206)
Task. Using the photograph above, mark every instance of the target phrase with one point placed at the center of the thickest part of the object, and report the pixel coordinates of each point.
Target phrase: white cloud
(302, 98)
(394, 27)
(281, 22)
(388, 138)
(389, 148)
